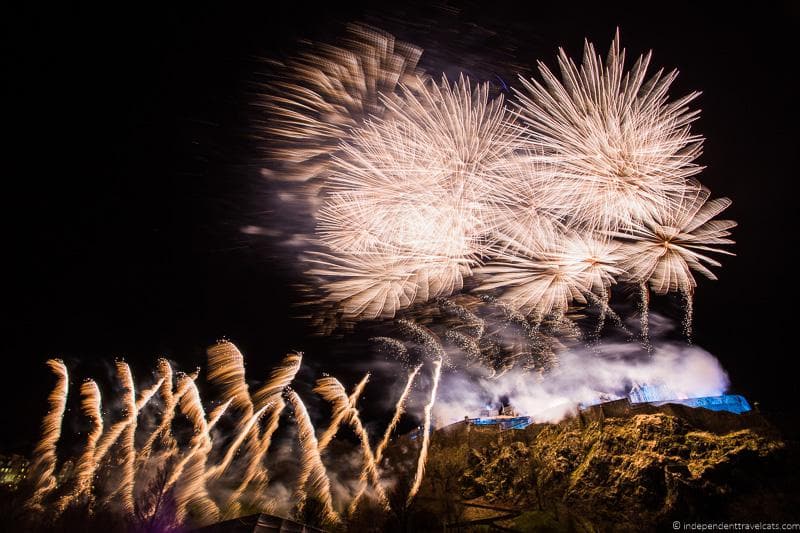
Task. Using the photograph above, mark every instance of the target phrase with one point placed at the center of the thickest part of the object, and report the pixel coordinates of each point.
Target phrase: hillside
(626, 472)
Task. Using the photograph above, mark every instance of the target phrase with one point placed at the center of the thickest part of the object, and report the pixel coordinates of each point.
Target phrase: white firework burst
(665, 251)
(618, 149)
(322, 94)
(410, 191)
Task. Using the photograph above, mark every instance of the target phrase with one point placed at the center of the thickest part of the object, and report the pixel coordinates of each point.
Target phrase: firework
(226, 370)
(399, 409)
(406, 207)
(312, 468)
(322, 94)
(328, 388)
(332, 391)
(86, 465)
(426, 433)
(44, 454)
(618, 150)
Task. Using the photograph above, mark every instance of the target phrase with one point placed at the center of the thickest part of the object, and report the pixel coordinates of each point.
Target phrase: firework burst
(618, 150)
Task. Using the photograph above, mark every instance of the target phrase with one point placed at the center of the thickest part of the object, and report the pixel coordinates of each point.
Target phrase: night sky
(130, 169)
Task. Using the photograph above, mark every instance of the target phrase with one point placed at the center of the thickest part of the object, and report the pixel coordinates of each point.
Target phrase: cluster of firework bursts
(202, 477)
(420, 188)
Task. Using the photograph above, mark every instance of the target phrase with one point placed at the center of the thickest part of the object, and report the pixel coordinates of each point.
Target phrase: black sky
(129, 172)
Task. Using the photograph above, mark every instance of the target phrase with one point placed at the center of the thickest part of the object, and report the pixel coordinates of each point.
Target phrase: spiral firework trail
(255, 450)
(190, 469)
(44, 454)
(312, 468)
(426, 434)
(86, 465)
(226, 370)
(171, 401)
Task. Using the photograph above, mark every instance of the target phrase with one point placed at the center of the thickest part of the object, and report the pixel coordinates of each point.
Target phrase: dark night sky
(129, 172)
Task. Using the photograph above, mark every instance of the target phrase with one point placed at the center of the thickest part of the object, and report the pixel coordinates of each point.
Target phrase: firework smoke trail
(86, 465)
(644, 318)
(44, 462)
(312, 468)
(399, 409)
(188, 475)
(332, 391)
(426, 435)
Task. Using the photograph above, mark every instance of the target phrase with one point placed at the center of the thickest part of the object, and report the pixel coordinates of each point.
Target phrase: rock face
(629, 473)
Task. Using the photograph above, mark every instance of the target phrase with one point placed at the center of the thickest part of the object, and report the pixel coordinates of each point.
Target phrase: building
(13, 469)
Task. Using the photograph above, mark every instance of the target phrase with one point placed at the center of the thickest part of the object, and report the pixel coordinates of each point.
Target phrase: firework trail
(342, 405)
(226, 371)
(190, 469)
(44, 462)
(422, 335)
(171, 401)
(401, 352)
(257, 447)
(126, 429)
(312, 468)
(280, 378)
(399, 409)
(332, 391)
(426, 430)
(216, 471)
(255, 450)
(128, 437)
(109, 438)
(86, 465)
